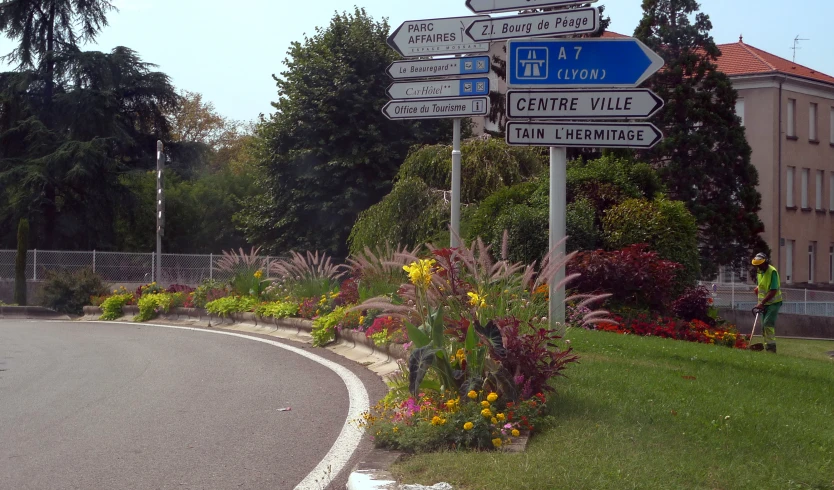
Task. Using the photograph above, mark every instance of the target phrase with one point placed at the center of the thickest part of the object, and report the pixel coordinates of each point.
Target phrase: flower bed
(671, 328)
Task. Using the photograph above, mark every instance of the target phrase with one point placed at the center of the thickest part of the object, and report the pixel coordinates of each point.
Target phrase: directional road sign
(579, 63)
(411, 69)
(573, 21)
(585, 135)
(437, 108)
(467, 87)
(436, 37)
(582, 104)
(486, 6)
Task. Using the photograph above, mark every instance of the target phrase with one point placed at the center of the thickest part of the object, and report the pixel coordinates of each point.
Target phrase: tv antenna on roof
(796, 46)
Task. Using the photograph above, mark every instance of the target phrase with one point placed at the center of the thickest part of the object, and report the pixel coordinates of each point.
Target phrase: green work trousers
(769, 322)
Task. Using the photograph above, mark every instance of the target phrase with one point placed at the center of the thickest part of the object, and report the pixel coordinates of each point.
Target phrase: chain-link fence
(796, 301)
(122, 267)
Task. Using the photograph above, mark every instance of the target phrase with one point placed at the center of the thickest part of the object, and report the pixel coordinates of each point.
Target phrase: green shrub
(486, 166)
(152, 304)
(483, 221)
(209, 290)
(224, 307)
(278, 309)
(582, 230)
(69, 292)
(112, 307)
(666, 226)
(410, 215)
(324, 327)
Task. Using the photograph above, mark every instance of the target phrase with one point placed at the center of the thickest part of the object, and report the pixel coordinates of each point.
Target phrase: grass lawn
(631, 416)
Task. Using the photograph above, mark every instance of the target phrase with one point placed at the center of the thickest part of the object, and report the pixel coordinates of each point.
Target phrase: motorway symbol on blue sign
(468, 87)
(583, 134)
(411, 69)
(484, 6)
(560, 23)
(578, 63)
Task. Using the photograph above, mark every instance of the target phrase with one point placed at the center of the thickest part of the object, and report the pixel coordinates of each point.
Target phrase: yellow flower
(516, 433)
(493, 420)
(361, 319)
(451, 404)
(460, 354)
(492, 397)
(472, 394)
(500, 417)
(496, 442)
(487, 413)
(477, 300)
(258, 274)
(485, 404)
(420, 272)
(437, 420)
(468, 426)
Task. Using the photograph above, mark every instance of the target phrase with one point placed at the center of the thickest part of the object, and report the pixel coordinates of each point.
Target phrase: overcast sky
(229, 50)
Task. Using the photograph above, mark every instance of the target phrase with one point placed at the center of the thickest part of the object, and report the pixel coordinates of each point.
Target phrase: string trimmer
(759, 346)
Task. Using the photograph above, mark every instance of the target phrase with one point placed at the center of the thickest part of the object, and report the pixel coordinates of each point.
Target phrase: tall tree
(107, 111)
(705, 158)
(45, 30)
(327, 152)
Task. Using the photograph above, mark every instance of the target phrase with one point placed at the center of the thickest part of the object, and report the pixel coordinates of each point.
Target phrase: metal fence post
(733, 293)
(211, 266)
(35, 265)
(94, 261)
(153, 267)
(805, 304)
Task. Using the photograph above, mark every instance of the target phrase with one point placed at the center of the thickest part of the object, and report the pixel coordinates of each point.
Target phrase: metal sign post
(456, 178)
(160, 210)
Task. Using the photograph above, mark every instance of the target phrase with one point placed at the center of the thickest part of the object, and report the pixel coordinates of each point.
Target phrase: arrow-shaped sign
(411, 69)
(486, 6)
(583, 135)
(436, 37)
(437, 108)
(468, 87)
(582, 104)
(574, 21)
(579, 63)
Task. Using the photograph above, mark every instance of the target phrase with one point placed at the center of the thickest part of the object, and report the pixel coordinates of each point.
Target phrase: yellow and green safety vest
(765, 280)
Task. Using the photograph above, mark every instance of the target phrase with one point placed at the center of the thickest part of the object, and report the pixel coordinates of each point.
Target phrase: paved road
(104, 406)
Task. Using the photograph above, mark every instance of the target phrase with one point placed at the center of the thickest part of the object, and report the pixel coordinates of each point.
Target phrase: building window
(831, 192)
(740, 110)
(831, 264)
(789, 261)
(818, 201)
(789, 197)
(812, 261)
(791, 118)
(831, 126)
(812, 123)
(804, 189)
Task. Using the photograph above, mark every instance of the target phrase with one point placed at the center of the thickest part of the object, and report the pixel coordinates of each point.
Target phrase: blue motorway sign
(578, 63)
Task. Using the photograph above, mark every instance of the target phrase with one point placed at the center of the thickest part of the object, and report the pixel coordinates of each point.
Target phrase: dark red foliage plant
(634, 276)
(348, 292)
(532, 359)
(179, 288)
(694, 304)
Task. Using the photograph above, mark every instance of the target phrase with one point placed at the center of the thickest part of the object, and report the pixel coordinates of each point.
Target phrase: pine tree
(705, 158)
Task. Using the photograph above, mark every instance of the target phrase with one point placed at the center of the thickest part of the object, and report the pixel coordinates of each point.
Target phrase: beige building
(788, 113)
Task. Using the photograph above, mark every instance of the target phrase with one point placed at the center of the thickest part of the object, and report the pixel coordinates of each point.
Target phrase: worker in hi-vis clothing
(769, 292)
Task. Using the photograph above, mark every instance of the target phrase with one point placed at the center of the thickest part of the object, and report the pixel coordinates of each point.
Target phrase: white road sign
(582, 104)
(436, 37)
(486, 6)
(467, 87)
(437, 108)
(583, 135)
(411, 69)
(573, 21)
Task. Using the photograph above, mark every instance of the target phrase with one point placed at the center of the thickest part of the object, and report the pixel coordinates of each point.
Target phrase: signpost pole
(160, 210)
(558, 206)
(456, 171)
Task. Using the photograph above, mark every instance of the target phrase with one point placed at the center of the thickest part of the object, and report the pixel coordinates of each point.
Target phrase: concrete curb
(30, 312)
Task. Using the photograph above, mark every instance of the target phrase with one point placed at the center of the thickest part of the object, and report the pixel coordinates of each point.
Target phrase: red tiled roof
(742, 59)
